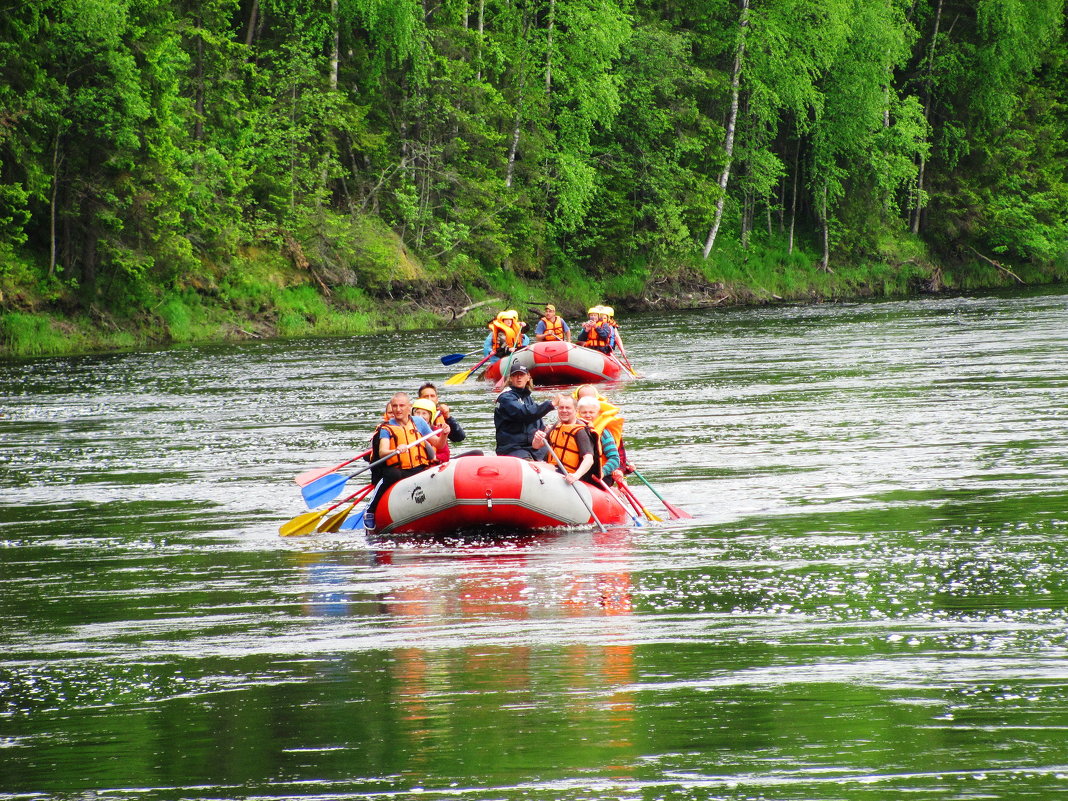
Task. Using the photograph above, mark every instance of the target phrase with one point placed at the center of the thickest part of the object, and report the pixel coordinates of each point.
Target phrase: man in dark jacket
(517, 416)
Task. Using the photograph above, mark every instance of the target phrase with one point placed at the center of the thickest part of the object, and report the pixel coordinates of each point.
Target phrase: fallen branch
(994, 264)
(457, 315)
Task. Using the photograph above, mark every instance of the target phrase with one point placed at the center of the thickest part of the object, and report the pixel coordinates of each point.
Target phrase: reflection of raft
(497, 491)
(558, 363)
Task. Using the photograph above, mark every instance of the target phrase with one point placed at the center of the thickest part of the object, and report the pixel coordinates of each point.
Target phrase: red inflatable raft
(559, 363)
(498, 491)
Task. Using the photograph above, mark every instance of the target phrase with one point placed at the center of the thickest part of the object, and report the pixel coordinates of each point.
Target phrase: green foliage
(209, 168)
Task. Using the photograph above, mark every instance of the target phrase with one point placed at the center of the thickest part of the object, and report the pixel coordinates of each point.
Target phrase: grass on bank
(262, 294)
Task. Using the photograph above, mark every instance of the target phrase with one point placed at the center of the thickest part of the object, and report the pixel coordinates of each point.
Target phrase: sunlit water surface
(871, 601)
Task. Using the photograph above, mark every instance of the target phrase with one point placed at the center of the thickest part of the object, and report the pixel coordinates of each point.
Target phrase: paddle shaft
(459, 378)
(308, 476)
(615, 498)
(586, 503)
(674, 511)
(637, 504)
(330, 481)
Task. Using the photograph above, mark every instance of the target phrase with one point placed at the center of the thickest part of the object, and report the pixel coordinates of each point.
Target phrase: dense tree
(146, 143)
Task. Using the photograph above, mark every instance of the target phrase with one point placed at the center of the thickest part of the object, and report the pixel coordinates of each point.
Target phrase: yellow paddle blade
(651, 516)
(333, 523)
(301, 524)
(459, 378)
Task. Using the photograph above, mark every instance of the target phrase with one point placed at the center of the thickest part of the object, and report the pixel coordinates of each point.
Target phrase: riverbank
(281, 294)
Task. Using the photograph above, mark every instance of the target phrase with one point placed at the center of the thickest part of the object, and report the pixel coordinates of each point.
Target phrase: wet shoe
(369, 521)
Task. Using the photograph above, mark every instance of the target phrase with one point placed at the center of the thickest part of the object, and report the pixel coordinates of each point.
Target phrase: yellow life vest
(505, 333)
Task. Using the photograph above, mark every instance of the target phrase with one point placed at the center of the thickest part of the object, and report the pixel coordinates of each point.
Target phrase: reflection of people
(596, 332)
(574, 444)
(399, 433)
(517, 416)
(551, 327)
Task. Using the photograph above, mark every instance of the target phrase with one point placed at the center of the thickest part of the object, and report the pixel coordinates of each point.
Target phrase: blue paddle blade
(453, 358)
(323, 489)
(352, 522)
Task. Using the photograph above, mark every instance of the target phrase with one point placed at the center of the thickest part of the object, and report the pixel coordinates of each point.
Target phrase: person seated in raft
(607, 419)
(398, 433)
(443, 414)
(615, 341)
(506, 334)
(606, 428)
(573, 442)
(517, 416)
(596, 332)
(551, 327)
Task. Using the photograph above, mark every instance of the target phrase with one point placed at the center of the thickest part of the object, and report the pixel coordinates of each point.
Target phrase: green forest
(180, 170)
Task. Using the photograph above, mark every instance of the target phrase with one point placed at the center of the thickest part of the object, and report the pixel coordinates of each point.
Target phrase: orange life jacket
(554, 328)
(504, 334)
(563, 439)
(443, 453)
(593, 339)
(402, 435)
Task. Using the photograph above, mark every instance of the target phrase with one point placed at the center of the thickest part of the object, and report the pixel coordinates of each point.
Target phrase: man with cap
(552, 328)
(517, 416)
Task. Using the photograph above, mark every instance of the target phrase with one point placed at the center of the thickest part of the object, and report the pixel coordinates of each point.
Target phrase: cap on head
(426, 406)
(550, 307)
(519, 369)
(509, 314)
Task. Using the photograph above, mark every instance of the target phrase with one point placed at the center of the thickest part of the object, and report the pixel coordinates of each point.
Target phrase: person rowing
(589, 412)
(517, 416)
(441, 414)
(551, 327)
(573, 442)
(606, 420)
(596, 332)
(506, 334)
(399, 433)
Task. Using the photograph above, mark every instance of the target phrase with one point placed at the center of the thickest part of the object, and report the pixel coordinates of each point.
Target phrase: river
(871, 601)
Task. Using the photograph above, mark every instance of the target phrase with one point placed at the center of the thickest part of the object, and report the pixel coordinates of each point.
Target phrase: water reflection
(481, 692)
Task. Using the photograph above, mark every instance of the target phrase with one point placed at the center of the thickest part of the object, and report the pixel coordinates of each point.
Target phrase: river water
(871, 601)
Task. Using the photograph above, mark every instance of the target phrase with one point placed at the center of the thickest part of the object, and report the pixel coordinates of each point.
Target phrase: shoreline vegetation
(240, 169)
(270, 296)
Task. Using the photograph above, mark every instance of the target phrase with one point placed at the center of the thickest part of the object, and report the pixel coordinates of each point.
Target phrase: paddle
(306, 523)
(626, 511)
(453, 358)
(637, 504)
(675, 512)
(329, 487)
(459, 378)
(582, 497)
(353, 523)
(308, 476)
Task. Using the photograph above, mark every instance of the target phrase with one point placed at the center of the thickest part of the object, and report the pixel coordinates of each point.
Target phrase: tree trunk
(825, 262)
(793, 199)
(918, 207)
(743, 24)
(253, 14)
(52, 209)
(481, 33)
(198, 111)
(335, 48)
(549, 50)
